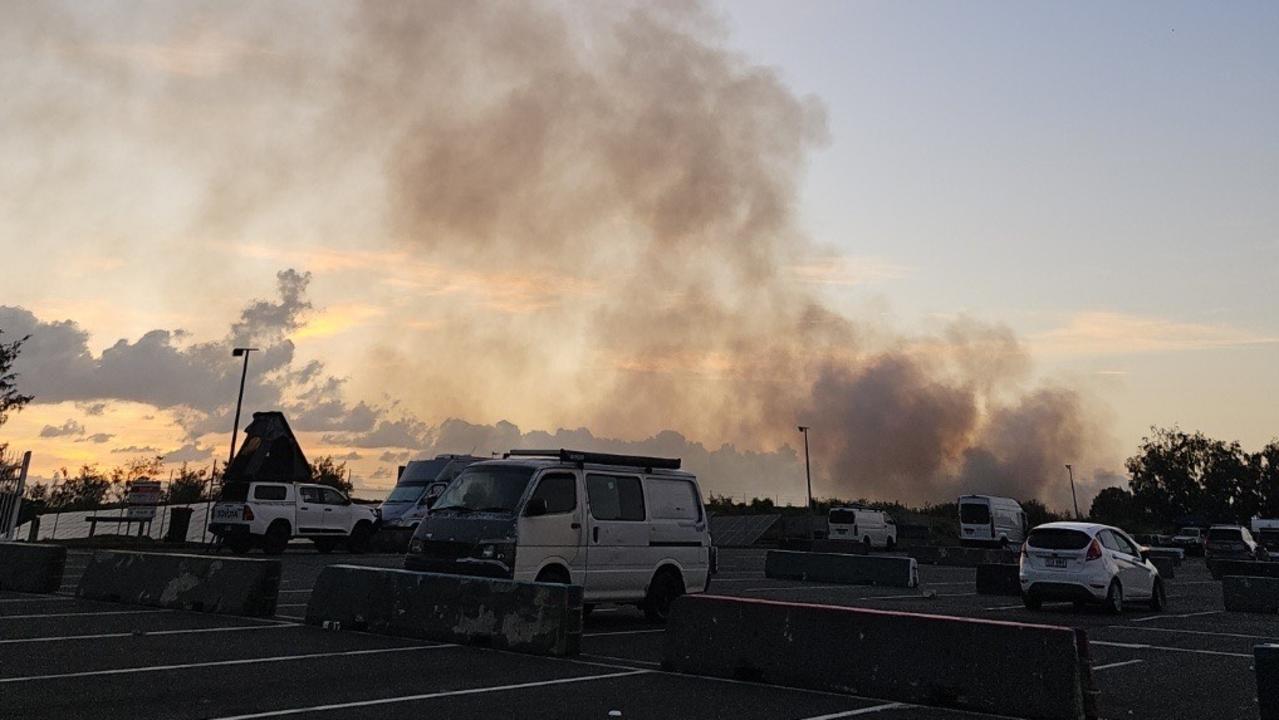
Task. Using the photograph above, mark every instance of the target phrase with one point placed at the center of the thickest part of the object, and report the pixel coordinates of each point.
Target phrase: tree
(10, 398)
(85, 491)
(1114, 506)
(326, 471)
(137, 469)
(188, 486)
(1038, 513)
(1179, 476)
(1266, 465)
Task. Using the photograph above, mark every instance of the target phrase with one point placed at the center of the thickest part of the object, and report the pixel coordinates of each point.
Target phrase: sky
(967, 243)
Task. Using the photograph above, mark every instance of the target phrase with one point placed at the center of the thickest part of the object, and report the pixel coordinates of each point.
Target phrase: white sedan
(1087, 563)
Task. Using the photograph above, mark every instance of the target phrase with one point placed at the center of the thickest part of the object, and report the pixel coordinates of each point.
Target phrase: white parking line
(1187, 615)
(858, 711)
(1143, 646)
(280, 605)
(1116, 664)
(103, 636)
(1006, 607)
(36, 599)
(291, 617)
(84, 614)
(623, 661)
(430, 696)
(221, 663)
(294, 591)
(1209, 633)
(623, 632)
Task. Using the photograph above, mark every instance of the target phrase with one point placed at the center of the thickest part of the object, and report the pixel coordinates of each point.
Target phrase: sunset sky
(956, 239)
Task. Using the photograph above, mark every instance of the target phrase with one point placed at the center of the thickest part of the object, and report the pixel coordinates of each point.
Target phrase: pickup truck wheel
(358, 542)
(277, 538)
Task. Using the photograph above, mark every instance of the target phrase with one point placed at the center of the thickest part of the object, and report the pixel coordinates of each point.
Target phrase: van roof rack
(580, 457)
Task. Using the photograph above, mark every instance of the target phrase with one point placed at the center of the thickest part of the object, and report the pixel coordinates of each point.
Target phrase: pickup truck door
(337, 512)
(310, 511)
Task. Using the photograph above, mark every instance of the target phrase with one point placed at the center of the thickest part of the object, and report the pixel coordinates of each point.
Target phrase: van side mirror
(1145, 553)
(535, 507)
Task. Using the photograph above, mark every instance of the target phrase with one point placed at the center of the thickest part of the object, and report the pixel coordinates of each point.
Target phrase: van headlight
(500, 551)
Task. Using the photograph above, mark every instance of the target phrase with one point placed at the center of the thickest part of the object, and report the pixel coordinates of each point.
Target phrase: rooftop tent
(270, 453)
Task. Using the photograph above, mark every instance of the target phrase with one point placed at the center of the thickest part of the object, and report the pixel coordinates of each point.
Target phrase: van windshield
(405, 493)
(486, 488)
(974, 513)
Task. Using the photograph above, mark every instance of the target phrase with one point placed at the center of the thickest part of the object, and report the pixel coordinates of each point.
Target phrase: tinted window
(559, 491)
(974, 513)
(333, 497)
(843, 517)
(671, 499)
(1269, 537)
(269, 492)
(234, 492)
(486, 488)
(1225, 535)
(1058, 539)
(311, 495)
(1128, 545)
(1111, 542)
(615, 498)
(404, 494)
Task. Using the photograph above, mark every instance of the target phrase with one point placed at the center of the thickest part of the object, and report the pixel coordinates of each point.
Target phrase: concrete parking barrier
(960, 556)
(1248, 568)
(1005, 668)
(1250, 594)
(540, 618)
(998, 579)
(1266, 659)
(1173, 554)
(1166, 566)
(28, 567)
(203, 583)
(842, 569)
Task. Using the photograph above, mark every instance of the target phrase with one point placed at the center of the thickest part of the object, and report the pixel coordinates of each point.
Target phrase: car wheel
(1158, 598)
(358, 542)
(666, 586)
(277, 538)
(1115, 598)
(1032, 602)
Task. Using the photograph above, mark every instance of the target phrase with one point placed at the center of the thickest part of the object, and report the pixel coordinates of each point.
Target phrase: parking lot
(66, 658)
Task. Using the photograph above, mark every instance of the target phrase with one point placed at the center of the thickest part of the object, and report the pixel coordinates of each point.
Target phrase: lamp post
(1071, 471)
(239, 352)
(808, 474)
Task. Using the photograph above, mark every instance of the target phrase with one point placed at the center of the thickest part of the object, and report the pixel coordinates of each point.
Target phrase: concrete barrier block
(540, 618)
(1166, 566)
(1249, 568)
(998, 579)
(1250, 594)
(962, 556)
(28, 567)
(202, 583)
(1267, 664)
(1010, 669)
(843, 569)
(1174, 554)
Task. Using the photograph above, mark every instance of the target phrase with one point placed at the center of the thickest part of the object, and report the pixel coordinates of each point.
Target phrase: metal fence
(11, 491)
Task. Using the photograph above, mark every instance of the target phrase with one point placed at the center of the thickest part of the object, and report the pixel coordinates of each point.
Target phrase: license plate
(1055, 562)
(227, 513)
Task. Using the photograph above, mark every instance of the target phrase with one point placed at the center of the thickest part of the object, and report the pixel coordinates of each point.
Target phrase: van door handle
(328, 509)
(597, 533)
(576, 526)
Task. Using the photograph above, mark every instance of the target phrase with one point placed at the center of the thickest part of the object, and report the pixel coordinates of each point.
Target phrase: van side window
(671, 499)
(559, 491)
(615, 497)
(269, 492)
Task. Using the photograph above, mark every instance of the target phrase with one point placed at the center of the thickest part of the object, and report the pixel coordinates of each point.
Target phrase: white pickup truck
(269, 514)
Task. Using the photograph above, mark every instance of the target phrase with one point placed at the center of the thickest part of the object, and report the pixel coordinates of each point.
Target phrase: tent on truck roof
(270, 453)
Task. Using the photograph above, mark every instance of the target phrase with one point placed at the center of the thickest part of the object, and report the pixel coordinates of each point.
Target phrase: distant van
(628, 529)
(872, 528)
(1266, 531)
(419, 484)
(991, 520)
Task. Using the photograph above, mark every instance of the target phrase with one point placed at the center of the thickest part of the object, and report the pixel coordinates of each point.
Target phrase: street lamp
(808, 473)
(1071, 471)
(239, 352)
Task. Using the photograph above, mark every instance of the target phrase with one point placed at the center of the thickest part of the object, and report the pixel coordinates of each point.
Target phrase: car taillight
(1094, 550)
(248, 513)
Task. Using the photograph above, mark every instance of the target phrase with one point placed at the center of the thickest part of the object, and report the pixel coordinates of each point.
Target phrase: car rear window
(1059, 539)
(974, 513)
(1225, 535)
(234, 492)
(269, 492)
(843, 517)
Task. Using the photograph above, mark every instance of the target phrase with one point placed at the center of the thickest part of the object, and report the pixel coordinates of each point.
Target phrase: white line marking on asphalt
(623, 632)
(36, 599)
(1187, 615)
(431, 696)
(624, 661)
(1116, 664)
(858, 711)
(222, 663)
(291, 617)
(1006, 607)
(1194, 632)
(103, 636)
(1143, 646)
(84, 614)
(294, 591)
(280, 605)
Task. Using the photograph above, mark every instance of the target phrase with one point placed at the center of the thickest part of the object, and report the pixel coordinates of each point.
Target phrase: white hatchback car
(1087, 563)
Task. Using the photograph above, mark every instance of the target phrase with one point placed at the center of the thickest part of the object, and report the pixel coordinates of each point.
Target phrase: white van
(628, 529)
(991, 520)
(872, 528)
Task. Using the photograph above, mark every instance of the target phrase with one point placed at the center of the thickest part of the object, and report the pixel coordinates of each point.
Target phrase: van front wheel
(666, 586)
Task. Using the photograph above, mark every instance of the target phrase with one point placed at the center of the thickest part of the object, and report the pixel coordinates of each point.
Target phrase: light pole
(239, 352)
(808, 474)
(1071, 471)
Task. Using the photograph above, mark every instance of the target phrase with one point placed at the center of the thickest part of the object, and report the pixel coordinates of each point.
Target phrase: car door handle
(597, 533)
(303, 507)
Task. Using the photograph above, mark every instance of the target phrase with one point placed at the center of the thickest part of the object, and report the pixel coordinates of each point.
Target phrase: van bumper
(461, 566)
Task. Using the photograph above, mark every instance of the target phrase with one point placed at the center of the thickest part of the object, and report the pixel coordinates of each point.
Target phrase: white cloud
(1112, 333)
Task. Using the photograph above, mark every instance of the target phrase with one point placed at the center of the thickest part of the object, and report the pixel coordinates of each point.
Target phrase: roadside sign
(143, 497)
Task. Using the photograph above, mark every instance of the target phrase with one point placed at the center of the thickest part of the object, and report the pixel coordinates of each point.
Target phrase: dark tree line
(1179, 478)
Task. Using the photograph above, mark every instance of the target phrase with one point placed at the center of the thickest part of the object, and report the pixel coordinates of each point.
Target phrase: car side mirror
(1145, 553)
(535, 507)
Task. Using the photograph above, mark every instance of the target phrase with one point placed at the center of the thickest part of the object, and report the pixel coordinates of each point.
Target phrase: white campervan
(991, 520)
(872, 528)
(628, 529)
